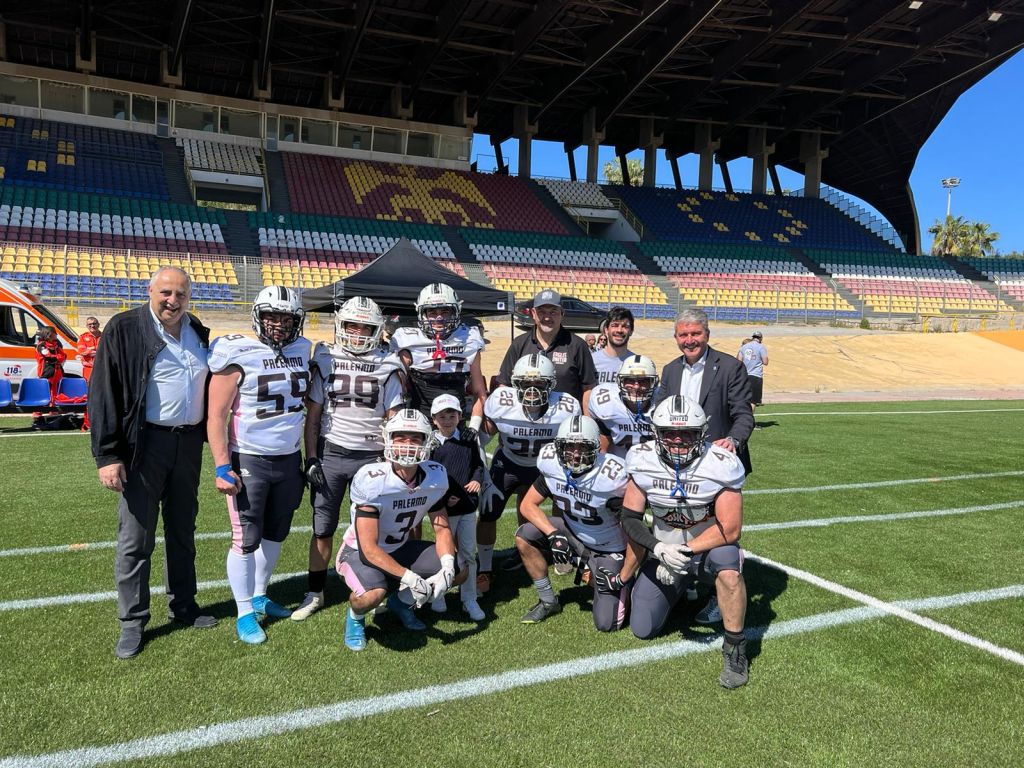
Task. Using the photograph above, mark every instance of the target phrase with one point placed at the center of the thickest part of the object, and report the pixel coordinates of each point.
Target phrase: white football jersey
(681, 517)
(607, 366)
(356, 392)
(459, 350)
(521, 437)
(622, 426)
(267, 415)
(584, 504)
(400, 508)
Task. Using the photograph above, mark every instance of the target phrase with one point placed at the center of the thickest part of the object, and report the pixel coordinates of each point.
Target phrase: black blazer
(724, 396)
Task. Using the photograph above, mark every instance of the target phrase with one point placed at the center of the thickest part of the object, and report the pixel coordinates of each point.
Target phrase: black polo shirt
(574, 363)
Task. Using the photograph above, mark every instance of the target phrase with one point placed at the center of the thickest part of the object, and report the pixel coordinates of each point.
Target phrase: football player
(586, 489)
(357, 384)
(262, 384)
(442, 354)
(693, 489)
(622, 407)
(526, 417)
(378, 556)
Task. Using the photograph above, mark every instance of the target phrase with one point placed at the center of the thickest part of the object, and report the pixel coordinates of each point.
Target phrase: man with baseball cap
(575, 373)
(754, 355)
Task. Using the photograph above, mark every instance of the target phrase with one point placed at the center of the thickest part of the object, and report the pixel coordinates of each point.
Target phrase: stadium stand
(596, 271)
(372, 190)
(725, 217)
(746, 282)
(1008, 274)
(902, 284)
(218, 156)
(576, 193)
(80, 158)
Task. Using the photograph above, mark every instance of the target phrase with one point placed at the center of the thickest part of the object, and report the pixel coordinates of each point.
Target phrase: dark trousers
(166, 479)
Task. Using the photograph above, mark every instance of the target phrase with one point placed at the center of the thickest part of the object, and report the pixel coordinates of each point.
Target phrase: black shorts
(272, 488)
(756, 389)
(340, 466)
(508, 477)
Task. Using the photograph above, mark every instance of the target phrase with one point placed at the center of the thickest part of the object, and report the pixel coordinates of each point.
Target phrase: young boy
(457, 451)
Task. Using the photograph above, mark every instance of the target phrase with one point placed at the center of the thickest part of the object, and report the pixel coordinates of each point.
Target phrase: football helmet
(362, 311)
(280, 300)
(408, 421)
(640, 371)
(438, 296)
(576, 444)
(680, 430)
(533, 377)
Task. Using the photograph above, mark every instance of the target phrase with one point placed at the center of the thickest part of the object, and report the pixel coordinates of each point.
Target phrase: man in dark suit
(716, 380)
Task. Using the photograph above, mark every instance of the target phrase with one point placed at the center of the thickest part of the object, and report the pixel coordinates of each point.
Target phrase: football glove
(561, 549)
(418, 588)
(607, 583)
(666, 575)
(441, 581)
(675, 556)
(490, 497)
(315, 474)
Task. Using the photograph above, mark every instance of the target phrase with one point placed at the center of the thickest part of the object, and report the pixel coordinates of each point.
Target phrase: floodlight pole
(949, 184)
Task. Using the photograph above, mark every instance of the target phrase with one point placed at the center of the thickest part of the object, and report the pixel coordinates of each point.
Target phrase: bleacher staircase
(556, 209)
(650, 267)
(982, 280)
(174, 170)
(465, 256)
(817, 269)
(274, 169)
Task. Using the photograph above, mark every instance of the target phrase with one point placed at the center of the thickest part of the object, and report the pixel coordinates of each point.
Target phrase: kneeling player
(693, 490)
(263, 383)
(586, 489)
(389, 499)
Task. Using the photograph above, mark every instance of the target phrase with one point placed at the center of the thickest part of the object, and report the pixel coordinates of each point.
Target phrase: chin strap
(438, 353)
(677, 489)
(569, 482)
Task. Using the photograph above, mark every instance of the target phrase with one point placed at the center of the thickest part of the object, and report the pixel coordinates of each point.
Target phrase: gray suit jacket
(724, 396)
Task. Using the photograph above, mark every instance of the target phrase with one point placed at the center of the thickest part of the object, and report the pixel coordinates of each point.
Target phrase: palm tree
(613, 173)
(982, 239)
(950, 236)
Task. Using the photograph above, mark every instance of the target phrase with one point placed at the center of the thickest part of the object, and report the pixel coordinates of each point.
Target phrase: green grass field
(832, 682)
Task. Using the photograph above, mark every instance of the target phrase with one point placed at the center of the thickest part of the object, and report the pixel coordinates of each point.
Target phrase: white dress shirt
(693, 375)
(175, 392)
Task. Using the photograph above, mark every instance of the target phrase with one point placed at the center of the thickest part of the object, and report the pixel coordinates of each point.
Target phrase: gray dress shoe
(130, 643)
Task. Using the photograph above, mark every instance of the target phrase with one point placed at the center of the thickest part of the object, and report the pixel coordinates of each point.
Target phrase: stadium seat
(33, 395)
(72, 392)
(6, 398)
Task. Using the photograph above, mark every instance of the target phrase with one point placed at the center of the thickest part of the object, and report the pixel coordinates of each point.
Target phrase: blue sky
(981, 141)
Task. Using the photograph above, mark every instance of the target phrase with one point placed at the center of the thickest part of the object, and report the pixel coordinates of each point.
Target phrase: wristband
(224, 473)
(475, 422)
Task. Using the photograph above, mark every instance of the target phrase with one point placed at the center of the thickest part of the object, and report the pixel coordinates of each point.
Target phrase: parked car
(579, 317)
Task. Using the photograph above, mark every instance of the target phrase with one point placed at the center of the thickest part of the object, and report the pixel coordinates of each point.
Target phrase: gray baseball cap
(548, 296)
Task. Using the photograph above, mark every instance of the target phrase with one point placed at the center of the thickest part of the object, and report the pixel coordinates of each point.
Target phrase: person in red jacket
(50, 357)
(87, 344)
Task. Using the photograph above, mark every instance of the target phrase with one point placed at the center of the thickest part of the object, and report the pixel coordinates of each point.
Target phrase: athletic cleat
(249, 630)
(264, 607)
(541, 611)
(405, 615)
(473, 610)
(483, 582)
(734, 664)
(710, 613)
(439, 605)
(355, 632)
(311, 603)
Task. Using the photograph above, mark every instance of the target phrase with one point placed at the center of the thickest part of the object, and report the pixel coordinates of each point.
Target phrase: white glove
(675, 556)
(666, 575)
(441, 581)
(490, 496)
(418, 588)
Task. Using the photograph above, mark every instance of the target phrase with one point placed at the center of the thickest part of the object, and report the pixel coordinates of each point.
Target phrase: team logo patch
(245, 472)
(559, 358)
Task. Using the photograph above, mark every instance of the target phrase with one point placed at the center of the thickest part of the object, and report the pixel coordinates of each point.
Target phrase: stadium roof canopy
(875, 77)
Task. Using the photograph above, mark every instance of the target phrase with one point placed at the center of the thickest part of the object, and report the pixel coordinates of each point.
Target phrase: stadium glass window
(386, 140)
(240, 123)
(288, 128)
(143, 109)
(63, 97)
(23, 91)
(195, 117)
(317, 132)
(104, 103)
(354, 136)
(421, 144)
(454, 148)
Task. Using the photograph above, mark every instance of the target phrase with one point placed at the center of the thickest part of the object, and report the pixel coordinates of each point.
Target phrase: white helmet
(438, 295)
(637, 368)
(278, 299)
(407, 420)
(679, 416)
(533, 377)
(577, 443)
(362, 311)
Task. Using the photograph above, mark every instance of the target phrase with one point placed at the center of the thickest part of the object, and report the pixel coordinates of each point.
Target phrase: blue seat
(73, 387)
(33, 395)
(5, 394)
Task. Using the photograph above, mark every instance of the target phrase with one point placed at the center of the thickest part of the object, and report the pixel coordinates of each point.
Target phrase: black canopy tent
(394, 280)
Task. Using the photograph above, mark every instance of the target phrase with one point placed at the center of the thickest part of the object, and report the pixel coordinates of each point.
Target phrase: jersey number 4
(276, 401)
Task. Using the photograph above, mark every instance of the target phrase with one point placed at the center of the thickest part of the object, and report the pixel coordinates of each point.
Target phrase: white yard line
(254, 728)
(881, 483)
(767, 415)
(68, 433)
(822, 522)
(894, 610)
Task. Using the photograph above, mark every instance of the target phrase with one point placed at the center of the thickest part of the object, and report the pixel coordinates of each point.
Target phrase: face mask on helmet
(576, 444)
(637, 379)
(438, 311)
(533, 378)
(680, 431)
(407, 438)
(358, 325)
(277, 316)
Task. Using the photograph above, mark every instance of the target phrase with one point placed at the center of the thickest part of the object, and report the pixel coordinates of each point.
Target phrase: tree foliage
(613, 174)
(956, 236)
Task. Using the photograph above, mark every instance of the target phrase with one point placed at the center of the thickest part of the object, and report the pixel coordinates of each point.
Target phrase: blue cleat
(355, 632)
(264, 607)
(249, 630)
(405, 614)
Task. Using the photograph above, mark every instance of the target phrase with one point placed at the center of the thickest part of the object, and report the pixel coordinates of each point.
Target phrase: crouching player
(693, 490)
(262, 383)
(389, 499)
(586, 489)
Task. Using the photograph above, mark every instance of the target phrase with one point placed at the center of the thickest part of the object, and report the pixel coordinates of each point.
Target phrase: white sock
(485, 556)
(242, 578)
(356, 616)
(266, 559)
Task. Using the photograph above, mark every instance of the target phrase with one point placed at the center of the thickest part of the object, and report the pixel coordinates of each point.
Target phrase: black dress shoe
(130, 643)
(195, 618)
